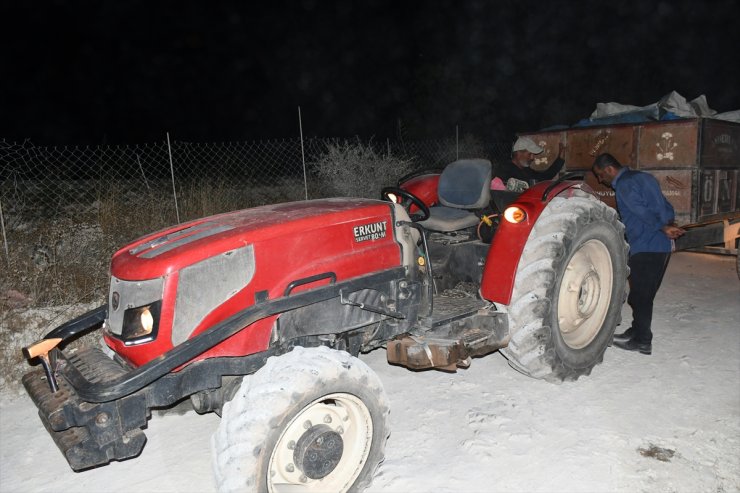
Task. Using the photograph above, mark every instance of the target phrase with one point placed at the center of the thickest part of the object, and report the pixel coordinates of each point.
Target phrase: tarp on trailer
(672, 106)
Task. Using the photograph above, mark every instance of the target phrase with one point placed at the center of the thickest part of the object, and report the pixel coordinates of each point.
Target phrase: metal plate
(726, 190)
(719, 193)
(676, 187)
(720, 144)
(550, 142)
(583, 145)
(668, 145)
(707, 192)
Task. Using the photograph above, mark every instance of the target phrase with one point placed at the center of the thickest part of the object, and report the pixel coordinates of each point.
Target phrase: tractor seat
(464, 185)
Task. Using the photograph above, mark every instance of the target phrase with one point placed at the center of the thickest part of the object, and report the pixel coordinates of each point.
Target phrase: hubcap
(585, 292)
(323, 448)
(318, 451)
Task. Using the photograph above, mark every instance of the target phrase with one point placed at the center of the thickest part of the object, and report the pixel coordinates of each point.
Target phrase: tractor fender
(424, 187)
(499, 272)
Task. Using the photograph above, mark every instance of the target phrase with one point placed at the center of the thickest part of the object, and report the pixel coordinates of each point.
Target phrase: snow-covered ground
(491, 429)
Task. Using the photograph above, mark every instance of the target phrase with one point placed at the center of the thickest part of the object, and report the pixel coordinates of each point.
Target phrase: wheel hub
(589, 293)
(323, 448)
(585, 294)
(318, 451)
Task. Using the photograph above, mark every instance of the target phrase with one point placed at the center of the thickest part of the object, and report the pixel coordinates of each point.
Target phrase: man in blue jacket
(648, 219)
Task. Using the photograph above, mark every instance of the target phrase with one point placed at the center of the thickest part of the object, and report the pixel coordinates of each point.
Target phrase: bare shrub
(355, 169)
(55, 262)
(209, 197)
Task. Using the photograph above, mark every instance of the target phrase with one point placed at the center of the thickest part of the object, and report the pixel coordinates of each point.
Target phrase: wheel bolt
(303, 478)
(307, 424)
(291, 445)
(290, 468)
(327, 419)
(340, 430)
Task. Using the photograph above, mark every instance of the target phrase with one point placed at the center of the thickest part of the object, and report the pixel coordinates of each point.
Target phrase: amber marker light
(515, 214)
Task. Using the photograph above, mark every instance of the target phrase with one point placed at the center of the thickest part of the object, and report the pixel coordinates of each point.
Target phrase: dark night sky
(129, 71)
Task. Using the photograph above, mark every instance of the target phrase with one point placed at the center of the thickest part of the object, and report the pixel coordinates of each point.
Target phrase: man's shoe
(633, 345)
(625, 336)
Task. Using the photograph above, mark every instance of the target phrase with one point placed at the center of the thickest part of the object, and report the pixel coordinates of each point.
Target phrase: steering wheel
(409, 198)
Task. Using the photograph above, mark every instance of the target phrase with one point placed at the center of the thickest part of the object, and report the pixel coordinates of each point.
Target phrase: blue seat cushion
(465, 184)
(443, 218)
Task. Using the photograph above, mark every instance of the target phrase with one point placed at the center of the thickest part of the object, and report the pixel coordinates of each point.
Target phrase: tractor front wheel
(314, 419)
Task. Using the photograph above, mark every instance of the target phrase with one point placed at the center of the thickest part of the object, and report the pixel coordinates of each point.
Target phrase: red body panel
(508, 243)
(423, 187)
(291, 241)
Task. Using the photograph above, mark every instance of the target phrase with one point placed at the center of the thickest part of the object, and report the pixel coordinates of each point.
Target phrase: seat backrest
(465, 184)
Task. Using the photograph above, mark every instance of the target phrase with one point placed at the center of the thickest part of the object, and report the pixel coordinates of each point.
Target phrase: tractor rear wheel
(310, 420)
(568, 291)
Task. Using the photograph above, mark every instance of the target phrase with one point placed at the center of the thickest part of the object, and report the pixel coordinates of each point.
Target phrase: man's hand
(672, 231)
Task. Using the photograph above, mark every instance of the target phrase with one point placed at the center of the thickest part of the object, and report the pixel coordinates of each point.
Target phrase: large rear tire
(568, 291)
(314, 419)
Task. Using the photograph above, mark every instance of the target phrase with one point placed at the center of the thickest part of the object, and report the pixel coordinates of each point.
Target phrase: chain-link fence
(42, 182)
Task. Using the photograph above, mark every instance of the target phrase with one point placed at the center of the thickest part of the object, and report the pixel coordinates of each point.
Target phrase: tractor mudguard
(424, 187)
(508, 243)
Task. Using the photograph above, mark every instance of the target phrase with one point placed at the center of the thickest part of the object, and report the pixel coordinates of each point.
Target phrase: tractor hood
(172, 249)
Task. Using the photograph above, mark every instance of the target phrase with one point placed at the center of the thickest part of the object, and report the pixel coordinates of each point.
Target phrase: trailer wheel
(568, 291)
(314, 419)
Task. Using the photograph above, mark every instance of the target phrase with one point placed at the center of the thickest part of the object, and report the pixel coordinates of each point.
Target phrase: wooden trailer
(696, 162)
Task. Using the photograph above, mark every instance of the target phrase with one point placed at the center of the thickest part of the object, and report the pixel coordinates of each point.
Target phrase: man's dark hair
(605, 160)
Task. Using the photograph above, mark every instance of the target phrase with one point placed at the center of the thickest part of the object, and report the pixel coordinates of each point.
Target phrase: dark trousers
(646, 274)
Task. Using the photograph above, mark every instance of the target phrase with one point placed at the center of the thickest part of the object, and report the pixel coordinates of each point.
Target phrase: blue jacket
(643, 210)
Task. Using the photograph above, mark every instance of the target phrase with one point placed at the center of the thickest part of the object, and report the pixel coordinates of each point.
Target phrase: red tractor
(259, 315)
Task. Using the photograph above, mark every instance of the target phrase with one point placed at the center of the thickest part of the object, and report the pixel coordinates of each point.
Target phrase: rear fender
(423, 187)
(508, 244)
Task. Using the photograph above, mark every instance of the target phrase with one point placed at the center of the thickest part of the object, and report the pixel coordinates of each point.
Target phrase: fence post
(303, 154)
(172, 173)
(143, 174)
(457, 142)
(5, 235)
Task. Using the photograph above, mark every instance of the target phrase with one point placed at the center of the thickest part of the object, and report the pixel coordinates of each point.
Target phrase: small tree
(354, 169)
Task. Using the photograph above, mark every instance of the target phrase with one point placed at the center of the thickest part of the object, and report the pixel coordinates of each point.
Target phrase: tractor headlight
(140, 324)
(515, 214)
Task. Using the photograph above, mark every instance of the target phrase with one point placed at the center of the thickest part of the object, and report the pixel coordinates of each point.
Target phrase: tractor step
(448, 309)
